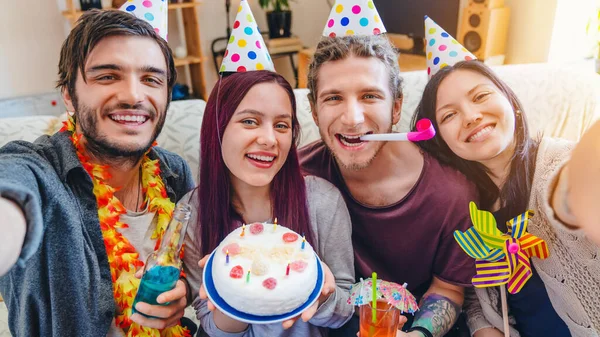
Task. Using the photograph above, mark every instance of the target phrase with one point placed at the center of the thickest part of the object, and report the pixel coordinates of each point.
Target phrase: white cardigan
(571, 273)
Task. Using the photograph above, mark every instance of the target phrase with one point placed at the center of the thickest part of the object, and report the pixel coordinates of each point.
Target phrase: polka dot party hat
(353, 17)
(246, 50)
(442, 49)
(155, 12)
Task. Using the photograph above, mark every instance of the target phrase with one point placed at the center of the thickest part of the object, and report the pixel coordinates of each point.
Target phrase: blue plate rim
(225, 308)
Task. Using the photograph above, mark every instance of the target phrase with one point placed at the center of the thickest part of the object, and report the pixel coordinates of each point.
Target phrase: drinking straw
(374, 306)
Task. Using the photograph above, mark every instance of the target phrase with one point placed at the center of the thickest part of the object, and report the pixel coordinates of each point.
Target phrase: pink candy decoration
(256, 228)
(270, 283)
(290, 237)
(298, 266)
(233, 249)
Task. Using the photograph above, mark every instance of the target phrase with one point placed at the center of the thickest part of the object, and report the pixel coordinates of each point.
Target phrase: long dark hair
(288, 191)
(514, 194)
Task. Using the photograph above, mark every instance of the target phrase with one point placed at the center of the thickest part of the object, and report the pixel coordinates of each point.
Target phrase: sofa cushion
(27, 128)
(181, 133)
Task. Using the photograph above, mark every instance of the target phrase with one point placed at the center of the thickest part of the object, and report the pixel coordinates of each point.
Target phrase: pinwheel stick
(504, 310)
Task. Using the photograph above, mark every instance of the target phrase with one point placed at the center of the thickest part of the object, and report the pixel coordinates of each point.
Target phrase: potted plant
(279, 17)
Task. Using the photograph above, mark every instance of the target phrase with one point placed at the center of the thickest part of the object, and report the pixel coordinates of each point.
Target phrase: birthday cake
(264, 269)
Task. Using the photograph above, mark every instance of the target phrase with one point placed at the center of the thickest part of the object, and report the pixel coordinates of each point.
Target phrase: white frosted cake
(271, 269)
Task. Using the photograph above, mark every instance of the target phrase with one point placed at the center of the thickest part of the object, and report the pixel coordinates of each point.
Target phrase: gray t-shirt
(141, 225)
(332, 230)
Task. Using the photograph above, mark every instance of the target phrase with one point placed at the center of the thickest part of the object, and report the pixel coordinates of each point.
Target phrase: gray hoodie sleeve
(332, 228)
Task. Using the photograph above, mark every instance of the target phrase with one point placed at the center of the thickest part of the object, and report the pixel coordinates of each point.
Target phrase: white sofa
(560, 102)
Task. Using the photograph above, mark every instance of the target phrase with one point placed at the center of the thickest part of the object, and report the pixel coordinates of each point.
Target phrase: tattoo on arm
(437, 314)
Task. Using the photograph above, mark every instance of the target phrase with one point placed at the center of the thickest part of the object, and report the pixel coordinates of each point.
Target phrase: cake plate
(225, 308)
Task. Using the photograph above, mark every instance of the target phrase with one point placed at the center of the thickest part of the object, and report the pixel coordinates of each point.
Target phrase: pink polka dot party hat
(155, 12)
(353, 17)
(442, 49)
(246, 50)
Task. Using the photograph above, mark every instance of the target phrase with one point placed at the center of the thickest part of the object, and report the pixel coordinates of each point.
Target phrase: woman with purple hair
(249, 172)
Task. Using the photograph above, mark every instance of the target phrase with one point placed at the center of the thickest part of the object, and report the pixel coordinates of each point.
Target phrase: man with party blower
(404, 204)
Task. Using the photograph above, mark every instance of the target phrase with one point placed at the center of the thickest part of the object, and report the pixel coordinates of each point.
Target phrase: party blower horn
(425, 131)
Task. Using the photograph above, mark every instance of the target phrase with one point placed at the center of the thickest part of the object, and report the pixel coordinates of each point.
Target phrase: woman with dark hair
(482, 131)
(250, 173)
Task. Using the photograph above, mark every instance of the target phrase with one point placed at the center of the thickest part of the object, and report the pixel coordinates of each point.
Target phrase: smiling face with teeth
(354, 99)
(475, 118)
(258, 138)
(121, 105)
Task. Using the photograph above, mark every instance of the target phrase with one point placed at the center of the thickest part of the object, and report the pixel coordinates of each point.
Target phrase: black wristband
(422, 330)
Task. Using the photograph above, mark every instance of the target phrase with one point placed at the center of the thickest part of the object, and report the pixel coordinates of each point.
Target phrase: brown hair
(339, 48)
(514, 194)
(90, 29)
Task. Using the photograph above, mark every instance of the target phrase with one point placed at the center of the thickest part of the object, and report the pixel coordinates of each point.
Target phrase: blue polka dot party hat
(155, 12)
(353, 17)
(246, 50)
(442, 49)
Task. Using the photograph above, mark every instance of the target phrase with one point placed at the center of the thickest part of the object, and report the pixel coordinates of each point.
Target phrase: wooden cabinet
(194, 59)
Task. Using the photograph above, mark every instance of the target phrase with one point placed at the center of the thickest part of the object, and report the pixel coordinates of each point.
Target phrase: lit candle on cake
(275, 225)
(287, 269)
(303, 242)
(243, 230)
(248, 276)
(227, 256)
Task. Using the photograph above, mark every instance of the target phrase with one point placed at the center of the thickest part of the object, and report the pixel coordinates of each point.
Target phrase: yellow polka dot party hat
(442, 49)
(246, 50)
(155, 12)
(353, 17)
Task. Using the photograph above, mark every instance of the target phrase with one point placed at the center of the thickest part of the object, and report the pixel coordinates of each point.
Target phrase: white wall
(530, 29)
(31, 33)
(569, 41)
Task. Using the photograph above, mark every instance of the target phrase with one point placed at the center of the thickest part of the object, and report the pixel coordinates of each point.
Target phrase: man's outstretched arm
(13, 228)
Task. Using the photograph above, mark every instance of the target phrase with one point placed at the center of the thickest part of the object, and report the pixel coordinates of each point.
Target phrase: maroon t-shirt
(412, 240)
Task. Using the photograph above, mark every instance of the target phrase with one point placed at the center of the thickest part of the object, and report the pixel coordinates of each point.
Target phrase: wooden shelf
(185, 5)
(74, 15)
(188, 60)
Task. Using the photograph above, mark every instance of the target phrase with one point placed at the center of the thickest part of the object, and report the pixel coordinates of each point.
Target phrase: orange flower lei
(122, 256)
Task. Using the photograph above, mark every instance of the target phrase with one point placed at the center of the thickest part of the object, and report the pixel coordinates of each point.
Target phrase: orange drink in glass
(385, 323)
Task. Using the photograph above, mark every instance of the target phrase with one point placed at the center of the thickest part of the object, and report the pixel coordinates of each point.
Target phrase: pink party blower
(425, 131)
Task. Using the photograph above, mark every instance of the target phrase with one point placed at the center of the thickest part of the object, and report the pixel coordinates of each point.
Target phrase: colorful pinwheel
(501, 258)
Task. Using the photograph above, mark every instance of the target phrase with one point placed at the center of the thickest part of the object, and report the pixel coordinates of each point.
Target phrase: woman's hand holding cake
(328, 289)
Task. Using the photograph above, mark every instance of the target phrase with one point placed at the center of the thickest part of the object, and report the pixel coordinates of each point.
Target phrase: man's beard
(354, 166)
(103, 148)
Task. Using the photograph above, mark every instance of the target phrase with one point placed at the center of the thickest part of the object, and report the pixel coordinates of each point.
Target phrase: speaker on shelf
(484, 28)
